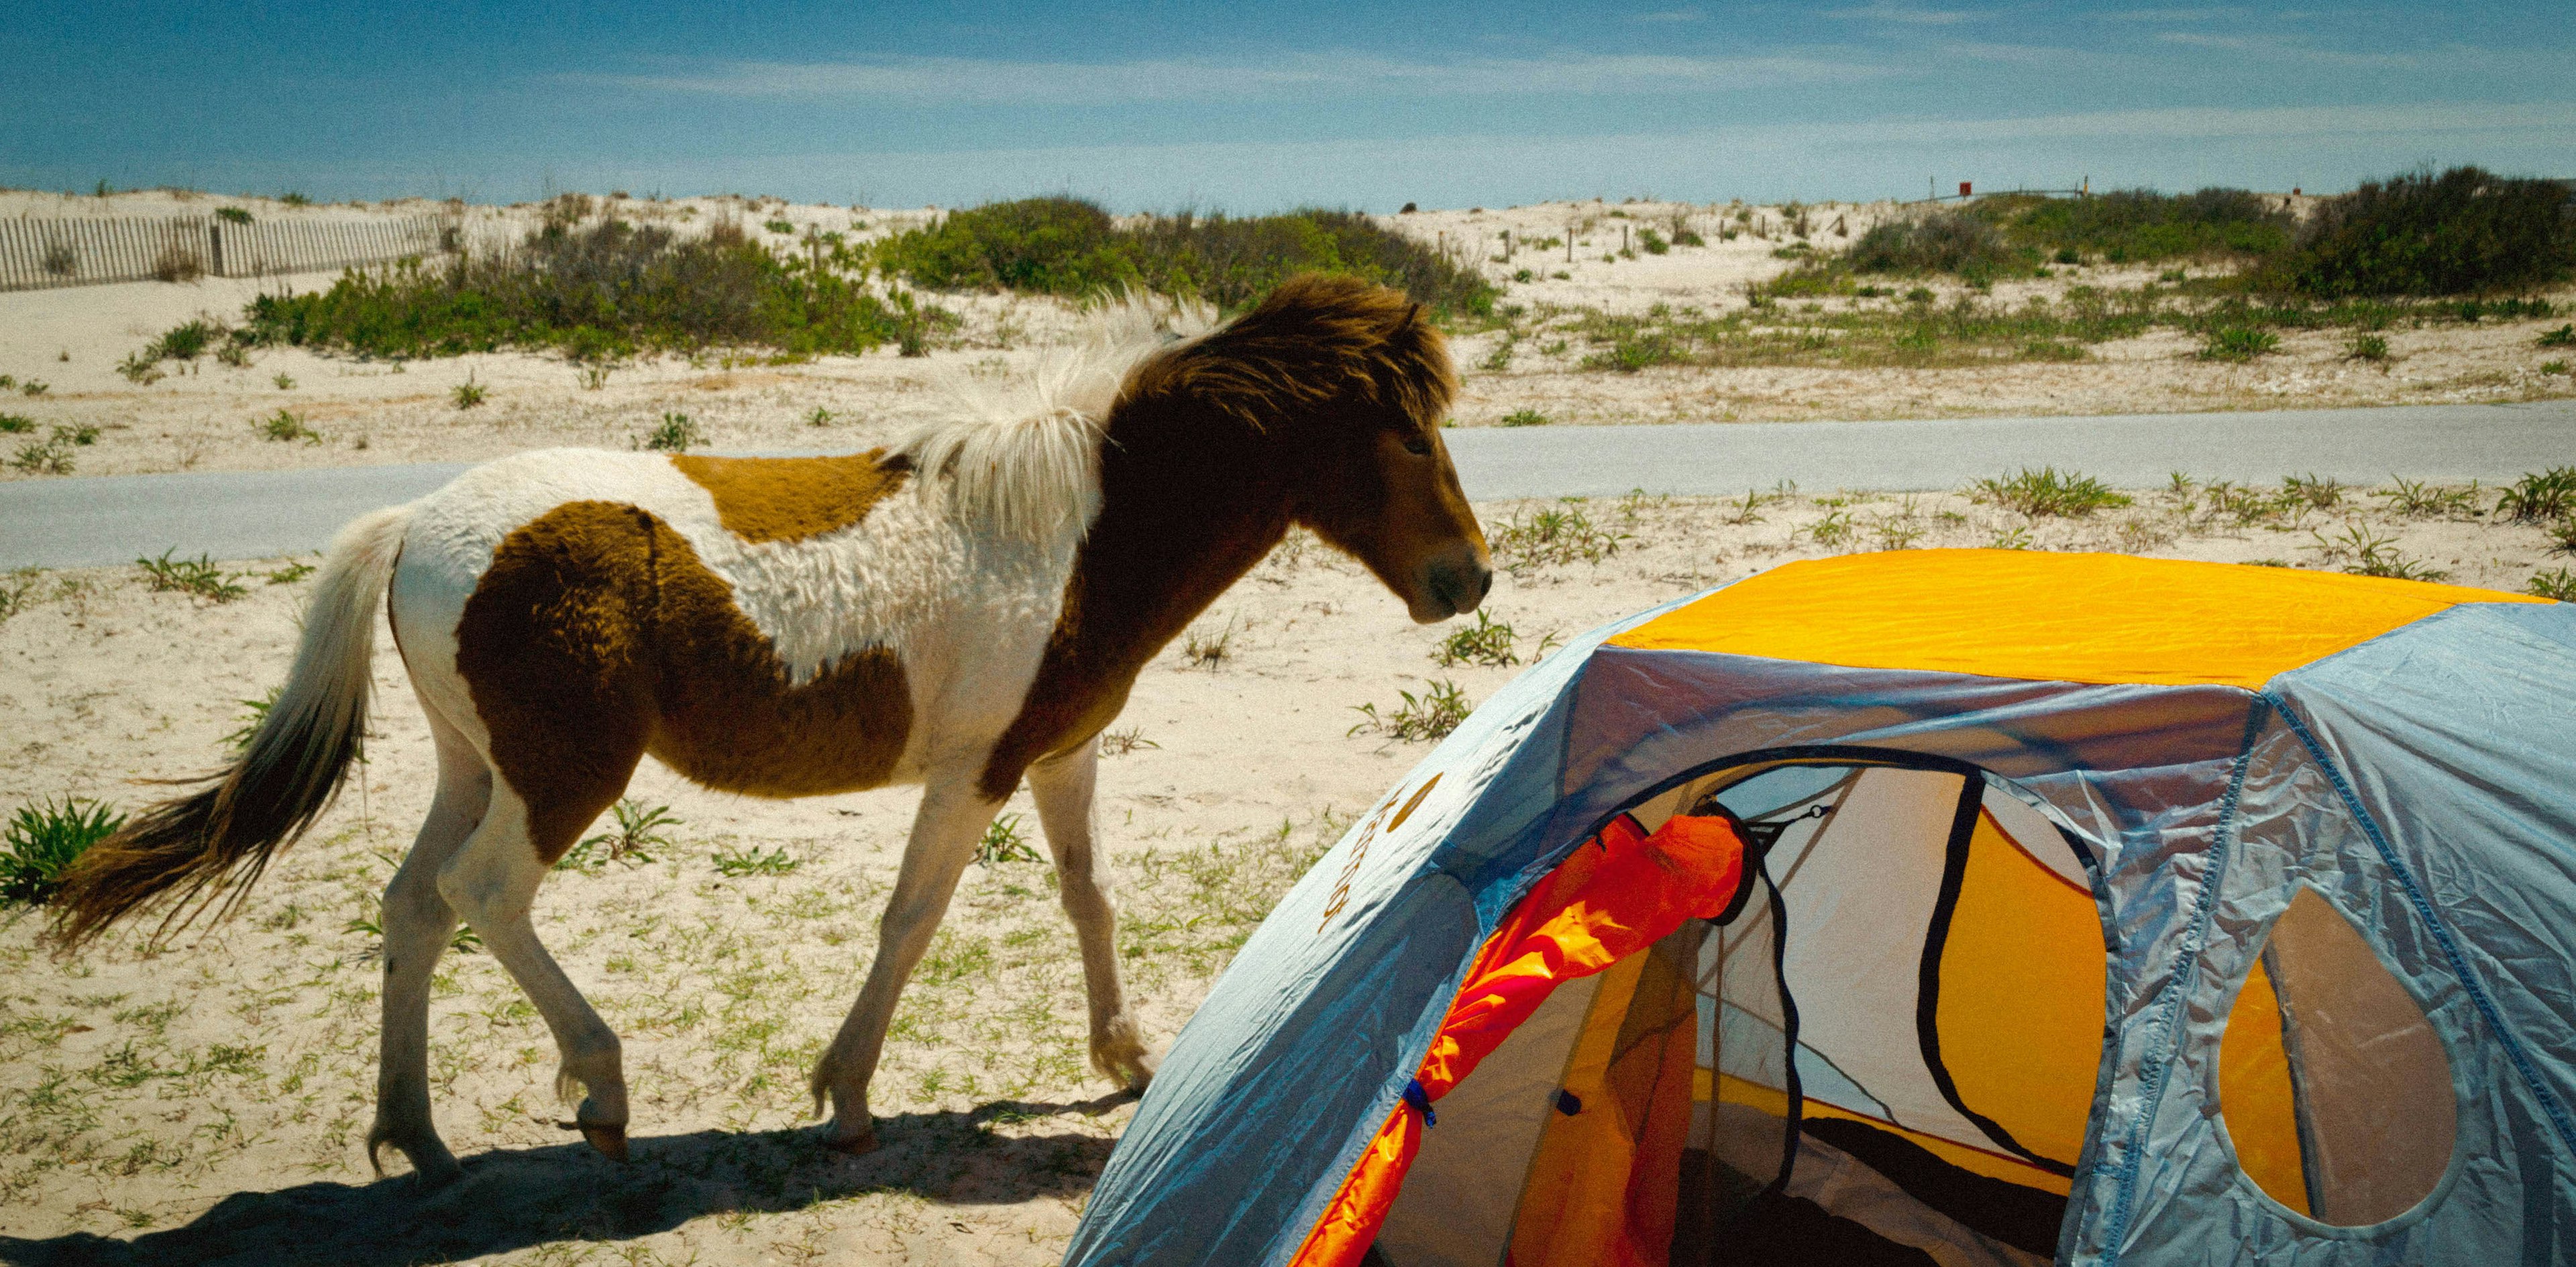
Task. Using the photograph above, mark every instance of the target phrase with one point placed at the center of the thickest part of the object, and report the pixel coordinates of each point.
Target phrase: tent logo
(1359, 851)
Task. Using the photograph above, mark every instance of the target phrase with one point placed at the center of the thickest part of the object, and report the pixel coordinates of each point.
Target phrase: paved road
(238, 515)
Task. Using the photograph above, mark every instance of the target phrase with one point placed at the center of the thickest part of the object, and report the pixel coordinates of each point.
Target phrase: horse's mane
(1022, 454)
(1317, 338)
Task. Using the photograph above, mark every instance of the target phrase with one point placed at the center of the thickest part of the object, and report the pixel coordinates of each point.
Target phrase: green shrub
(1944, 242)
(2139, 225)
(1066, 246)
(16, 424)
(1525, 418)
(2366, 347)
(43, 840)
(232, 215)
(2563, 336)
(595, 292)
(2465, 231)
(468, 394)
(2558, 583)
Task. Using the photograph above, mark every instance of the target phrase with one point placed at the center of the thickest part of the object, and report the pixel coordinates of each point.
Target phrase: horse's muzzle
(1453, 586)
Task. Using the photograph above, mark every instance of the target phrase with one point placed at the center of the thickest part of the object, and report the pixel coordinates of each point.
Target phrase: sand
(209, 416)
(208, 1103)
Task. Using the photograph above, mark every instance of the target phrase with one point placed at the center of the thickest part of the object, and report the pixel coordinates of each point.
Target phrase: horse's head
(1343, 386)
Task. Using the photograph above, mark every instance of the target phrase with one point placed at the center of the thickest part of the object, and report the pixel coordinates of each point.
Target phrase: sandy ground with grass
(207, 1103)
(337, 411)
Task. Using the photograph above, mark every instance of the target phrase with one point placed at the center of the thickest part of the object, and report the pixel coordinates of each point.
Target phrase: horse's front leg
(1063, 786)
(952, 816)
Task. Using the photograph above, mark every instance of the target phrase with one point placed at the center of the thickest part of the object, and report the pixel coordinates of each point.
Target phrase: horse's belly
(754, 733)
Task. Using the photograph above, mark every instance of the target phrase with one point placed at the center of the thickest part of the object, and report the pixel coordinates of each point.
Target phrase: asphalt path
(82, 521)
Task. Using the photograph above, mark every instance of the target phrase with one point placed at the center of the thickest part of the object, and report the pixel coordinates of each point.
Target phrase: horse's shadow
(512, 1199)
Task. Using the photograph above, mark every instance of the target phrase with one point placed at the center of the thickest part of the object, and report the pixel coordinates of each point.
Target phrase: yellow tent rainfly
(1927, 907)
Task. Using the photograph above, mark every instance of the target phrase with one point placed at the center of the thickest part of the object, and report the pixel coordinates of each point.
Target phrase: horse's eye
(1417, 444)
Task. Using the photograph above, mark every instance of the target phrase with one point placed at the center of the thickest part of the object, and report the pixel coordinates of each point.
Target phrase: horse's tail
(223, 835)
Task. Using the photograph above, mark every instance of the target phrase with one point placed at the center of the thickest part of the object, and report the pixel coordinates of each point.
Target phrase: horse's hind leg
(417, 925)
(492, 882)
(952, 815)
(1063, 786)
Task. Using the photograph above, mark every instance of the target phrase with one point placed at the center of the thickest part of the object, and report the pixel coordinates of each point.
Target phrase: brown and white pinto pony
(961, 611)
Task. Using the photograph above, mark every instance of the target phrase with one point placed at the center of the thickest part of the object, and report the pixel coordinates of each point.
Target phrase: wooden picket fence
(40, 254)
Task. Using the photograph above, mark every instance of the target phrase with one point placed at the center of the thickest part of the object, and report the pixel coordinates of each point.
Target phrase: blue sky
(1251, 108)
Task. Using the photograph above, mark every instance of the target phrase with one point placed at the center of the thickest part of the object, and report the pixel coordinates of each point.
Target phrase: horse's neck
(1174, 532)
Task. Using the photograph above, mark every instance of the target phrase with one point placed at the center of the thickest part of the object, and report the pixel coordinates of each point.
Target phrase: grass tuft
(42, 841)
(2238, 343)
(1118, 743)
(754, 860)
(1556, 534)
(2558, 583)
(1003, 842)
(1488, 641)
(199, 576)
(2540, 496)
(1439, 709)
(2046, 492)
(640, 830)
(467, 394)
(676, 434)
(1525, 418)
(286, 426)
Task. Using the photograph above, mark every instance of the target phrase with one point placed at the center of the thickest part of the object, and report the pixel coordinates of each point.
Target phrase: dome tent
(2083, 906)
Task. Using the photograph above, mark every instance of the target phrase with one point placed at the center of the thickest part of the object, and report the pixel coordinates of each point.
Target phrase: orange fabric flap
(1619, 893)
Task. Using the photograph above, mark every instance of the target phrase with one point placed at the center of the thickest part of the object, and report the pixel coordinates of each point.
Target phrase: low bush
(2138, 225)
(1943, 242)
(594, 292)
(2464, 231)
(1066, 246)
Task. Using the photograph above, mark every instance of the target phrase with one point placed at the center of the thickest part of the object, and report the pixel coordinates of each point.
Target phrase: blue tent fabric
(2423, 782)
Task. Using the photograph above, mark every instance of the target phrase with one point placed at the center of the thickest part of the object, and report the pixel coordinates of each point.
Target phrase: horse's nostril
(1484, 583)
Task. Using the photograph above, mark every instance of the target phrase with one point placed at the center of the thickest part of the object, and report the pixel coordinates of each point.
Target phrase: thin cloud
(964, 81)
(2165, 15)
(1908, 16)
(2282, 50)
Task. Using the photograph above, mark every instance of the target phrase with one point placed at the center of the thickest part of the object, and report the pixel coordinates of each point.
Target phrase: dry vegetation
(209, 1100)
(1635, 312)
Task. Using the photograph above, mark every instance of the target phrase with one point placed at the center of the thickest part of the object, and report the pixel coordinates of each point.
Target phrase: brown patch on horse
(790, 499)
(1213, 450)
(597, 636)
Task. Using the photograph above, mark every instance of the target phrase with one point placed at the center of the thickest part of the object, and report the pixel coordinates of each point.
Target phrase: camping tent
(1925, 906)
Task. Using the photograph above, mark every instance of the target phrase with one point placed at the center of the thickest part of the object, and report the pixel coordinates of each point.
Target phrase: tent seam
(2169, 1009)
(2422, 902)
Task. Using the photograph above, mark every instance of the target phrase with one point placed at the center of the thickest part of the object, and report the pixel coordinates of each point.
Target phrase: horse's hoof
(853, 1145)
(609, 1140)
